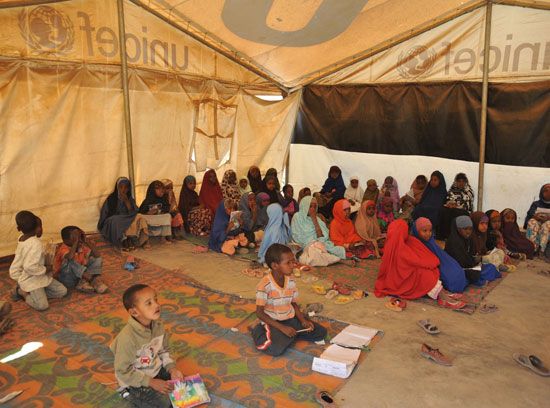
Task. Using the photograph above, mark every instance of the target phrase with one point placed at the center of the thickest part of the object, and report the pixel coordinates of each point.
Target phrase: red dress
(409, 269)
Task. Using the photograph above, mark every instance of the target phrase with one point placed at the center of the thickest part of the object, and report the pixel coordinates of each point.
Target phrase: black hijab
(256, 183)
(460, 248)
(152, 199)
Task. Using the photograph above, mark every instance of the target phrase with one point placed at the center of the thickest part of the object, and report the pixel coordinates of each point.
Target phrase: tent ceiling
(294, 42)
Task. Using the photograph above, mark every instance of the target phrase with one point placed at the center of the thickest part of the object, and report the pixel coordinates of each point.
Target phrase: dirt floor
(484, 373)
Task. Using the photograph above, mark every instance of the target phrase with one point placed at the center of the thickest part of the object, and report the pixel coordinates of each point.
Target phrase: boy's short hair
(66, 231)
(129, 296)
(26, 222)
(275, 252)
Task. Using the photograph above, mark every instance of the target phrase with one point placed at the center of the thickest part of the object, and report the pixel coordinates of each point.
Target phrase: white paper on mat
(355, 336)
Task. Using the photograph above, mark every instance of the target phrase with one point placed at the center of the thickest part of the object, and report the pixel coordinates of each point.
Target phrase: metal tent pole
(126, 93)
(484, 95)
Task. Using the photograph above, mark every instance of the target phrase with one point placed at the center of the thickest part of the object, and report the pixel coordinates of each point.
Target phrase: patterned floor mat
(208, 332)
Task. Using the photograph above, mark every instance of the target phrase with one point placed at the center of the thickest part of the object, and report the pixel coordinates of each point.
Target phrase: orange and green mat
(208, 335)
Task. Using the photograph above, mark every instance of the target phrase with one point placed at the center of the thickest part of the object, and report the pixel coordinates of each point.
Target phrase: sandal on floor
(435, 355)
(343, 300)
(428, 327)
(544, 273)
(393, 304)
(358, 294)
(6, 325)
(533, 363)
(199, 249)
(331, 294)
(325, 399)
(488, 308)
(251, 273)
(319, 289)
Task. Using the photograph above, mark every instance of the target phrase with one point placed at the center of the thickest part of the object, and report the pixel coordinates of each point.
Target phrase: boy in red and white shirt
(276, 307)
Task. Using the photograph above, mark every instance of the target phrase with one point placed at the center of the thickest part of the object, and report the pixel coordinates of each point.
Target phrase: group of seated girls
(336, 222)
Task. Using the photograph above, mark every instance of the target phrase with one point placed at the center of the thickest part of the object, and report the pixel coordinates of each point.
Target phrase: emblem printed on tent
(47, 30)
(416, 61)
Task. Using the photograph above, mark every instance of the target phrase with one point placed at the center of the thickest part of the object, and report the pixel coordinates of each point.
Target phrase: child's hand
(176, 374)
(75, 236)
(164, 387)
(288, 331)
(308, 324)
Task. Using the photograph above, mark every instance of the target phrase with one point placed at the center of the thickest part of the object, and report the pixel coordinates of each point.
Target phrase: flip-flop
(399, 302)
(331, 294)
(488, 308)
(544, 273)
(532, 362)
(428, 327)
(199, 249)
(325, 399)
(358, 294)
(314, 307)
(343, 300)
(319, 289)
(390, 304)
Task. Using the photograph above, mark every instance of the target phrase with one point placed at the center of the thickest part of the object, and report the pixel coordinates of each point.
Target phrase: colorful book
(189, 392)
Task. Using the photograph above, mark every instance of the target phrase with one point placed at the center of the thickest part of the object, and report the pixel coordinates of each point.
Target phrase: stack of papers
(341, 357)
(354, 336)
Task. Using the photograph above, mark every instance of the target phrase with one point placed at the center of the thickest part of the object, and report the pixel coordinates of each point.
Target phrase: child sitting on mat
(282, 321)
(77, 263)
(34, 280)
(142, 363)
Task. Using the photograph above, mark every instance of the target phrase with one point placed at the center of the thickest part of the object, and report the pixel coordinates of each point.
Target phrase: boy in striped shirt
(276, 307)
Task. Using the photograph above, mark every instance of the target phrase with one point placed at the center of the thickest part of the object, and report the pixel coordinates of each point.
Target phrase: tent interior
(91, 90)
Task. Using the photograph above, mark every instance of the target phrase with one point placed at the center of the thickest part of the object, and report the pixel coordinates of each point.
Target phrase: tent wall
(61, 110)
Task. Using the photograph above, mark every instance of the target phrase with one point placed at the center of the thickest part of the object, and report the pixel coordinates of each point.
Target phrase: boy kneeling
(77, 262)
(142, 363)
(276, 306)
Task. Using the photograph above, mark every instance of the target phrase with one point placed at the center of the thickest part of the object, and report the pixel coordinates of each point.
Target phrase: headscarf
(334, 184)
(393, 191)
(514, 239)
(303, 229)
(540, 203)
(342, 230)
(274, 195)
(271, 173)
(255, 183)
(367, 227)
(371, 195)
(417, 191)
(432, 200)
(277, 230)
(112, 202)
(248, 220)
(494, 237)
(229, 186)
(355, 194)
(409, 269)
(451, 273)
(262, 218)
(152, 199)
(210, 194)
(479, 238)
(460, 248)
(302, 194)
(169, 194)
(464, 197)
(384, 216)
(218, 235)
(244, 190)
(189, 199)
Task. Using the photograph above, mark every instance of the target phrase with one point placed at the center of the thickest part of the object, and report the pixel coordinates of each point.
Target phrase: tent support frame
(126, 94)
(484, 97)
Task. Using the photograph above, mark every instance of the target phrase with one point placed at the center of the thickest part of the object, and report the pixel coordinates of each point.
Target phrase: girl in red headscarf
(342, 232)
(210, 195)
(409, 269)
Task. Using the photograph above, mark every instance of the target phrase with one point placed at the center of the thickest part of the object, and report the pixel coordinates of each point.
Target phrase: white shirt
(28, 267)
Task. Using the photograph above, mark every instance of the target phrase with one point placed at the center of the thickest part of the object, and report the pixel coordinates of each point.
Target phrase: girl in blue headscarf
(452, 275)
(277, 230)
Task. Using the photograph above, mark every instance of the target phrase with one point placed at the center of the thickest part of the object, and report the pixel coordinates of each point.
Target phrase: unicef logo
(47, 30)
(416, 61)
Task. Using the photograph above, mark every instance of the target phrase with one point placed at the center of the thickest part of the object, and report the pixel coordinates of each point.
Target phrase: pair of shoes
(435, 355)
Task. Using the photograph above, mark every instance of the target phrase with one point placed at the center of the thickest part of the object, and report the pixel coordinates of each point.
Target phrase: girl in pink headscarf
(390, 189)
